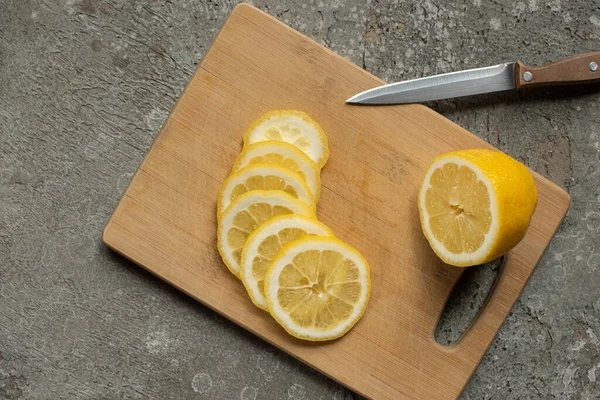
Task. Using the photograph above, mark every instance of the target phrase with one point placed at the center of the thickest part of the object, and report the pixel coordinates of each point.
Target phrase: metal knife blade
(454, 84)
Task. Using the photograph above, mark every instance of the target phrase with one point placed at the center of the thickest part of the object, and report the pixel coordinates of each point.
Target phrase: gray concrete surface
(85, 86)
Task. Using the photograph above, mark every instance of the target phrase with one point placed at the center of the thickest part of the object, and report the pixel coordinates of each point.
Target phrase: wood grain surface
(166, 219)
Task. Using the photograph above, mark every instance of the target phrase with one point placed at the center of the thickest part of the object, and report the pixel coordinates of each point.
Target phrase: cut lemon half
(317, 288)
(265, 242)
(284, 155)
(475, 205)
(263, 177)
(245, 214)
(294, 127)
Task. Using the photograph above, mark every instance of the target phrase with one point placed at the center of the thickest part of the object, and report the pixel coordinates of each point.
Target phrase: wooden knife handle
(582, 68)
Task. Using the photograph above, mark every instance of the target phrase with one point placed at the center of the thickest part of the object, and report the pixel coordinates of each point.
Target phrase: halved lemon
(284, 155)
(475, 205)
(294, 127)
(245, 214)
(317, 288)
(263, 177)
(265, 242)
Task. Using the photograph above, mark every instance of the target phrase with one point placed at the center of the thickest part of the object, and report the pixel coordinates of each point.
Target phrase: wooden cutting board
(166, 219)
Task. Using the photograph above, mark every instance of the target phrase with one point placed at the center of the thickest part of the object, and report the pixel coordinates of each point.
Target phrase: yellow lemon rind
(239, 177)
(272, 227)
(319, 140)
(513, 199)
(285, 256)
(272, 197)
(310, 169)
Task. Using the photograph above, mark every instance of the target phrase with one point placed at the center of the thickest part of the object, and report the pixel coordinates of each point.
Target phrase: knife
(582, 68)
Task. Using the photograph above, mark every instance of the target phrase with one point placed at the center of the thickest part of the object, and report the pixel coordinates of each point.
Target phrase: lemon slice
(317, 288)
(284, 155)
(294, 127)
(263, 244)
(245, 214)
(263, 177)
(475, 205)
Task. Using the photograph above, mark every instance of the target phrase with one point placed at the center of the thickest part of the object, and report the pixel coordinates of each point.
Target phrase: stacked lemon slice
(292, 265)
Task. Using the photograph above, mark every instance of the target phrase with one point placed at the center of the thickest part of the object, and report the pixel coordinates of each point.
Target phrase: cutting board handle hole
(468, 297)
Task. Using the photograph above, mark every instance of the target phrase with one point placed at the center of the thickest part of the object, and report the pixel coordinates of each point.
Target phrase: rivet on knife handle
(582, 68)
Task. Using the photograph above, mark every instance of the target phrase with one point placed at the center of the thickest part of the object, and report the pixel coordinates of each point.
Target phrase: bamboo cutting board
(166, 219)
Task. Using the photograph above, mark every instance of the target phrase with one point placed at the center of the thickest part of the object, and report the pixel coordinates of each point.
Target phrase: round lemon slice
(294, 127)
(475, 205)
(265, 242)
(284, 155)
(245, 214)
(263, 177)
(317, 288)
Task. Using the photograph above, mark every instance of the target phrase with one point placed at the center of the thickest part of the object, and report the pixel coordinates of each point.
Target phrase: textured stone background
(85, 86)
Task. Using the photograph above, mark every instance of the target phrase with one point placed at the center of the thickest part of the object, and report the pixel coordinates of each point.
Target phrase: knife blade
(582, 68)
